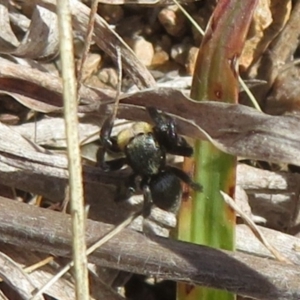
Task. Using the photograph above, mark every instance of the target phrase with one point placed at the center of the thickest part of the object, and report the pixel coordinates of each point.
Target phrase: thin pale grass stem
(249, 93)
(194, 23)
(73, 150)
(248, 221)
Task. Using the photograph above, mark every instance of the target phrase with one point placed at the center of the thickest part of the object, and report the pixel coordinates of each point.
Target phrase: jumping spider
(145, 148)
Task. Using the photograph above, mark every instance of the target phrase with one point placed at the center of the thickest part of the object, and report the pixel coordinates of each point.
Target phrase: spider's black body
(145, 155)
(145, 148)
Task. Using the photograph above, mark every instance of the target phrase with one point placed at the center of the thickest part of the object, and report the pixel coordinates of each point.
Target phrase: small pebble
(143, 50)
(109, 76)
(173, 20)
(160, 57)
(91, 65)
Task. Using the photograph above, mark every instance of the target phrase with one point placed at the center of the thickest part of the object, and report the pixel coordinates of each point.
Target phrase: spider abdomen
(166, 191)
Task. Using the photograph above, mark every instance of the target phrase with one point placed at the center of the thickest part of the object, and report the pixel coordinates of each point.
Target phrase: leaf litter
(235, 129)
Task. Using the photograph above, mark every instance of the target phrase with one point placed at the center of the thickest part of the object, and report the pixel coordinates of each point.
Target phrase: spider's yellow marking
(126, 135)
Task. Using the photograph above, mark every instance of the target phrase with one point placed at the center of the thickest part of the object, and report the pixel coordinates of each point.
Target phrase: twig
(117, 98)
(87, 42)
(74, 160)
(39, 264)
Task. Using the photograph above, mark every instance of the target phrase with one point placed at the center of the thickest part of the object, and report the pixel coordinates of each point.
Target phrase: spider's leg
(105, 133)
(185, 178)
(156, 116)
(124, 192)
(166, 133)
(113, 165)
(108, 144)
(148, 202)
(131, 185)
(182, 148)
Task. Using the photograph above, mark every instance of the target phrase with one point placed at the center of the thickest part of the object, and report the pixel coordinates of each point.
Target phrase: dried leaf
(269, 18)
(50, 132)
(236, 129)
(41, 39)
(16, 278)
(40, 91)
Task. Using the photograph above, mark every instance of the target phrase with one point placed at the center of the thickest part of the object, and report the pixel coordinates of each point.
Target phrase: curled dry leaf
(269, 18)
(236, 129)
(16, 278)
(22, 159)
(280, 51)
(104, 37)
(13, 273)
(50, 132)
(273, 196)
(107, 39)
(247, 242)
(41, 91)
(62, 289)
(40, 40)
